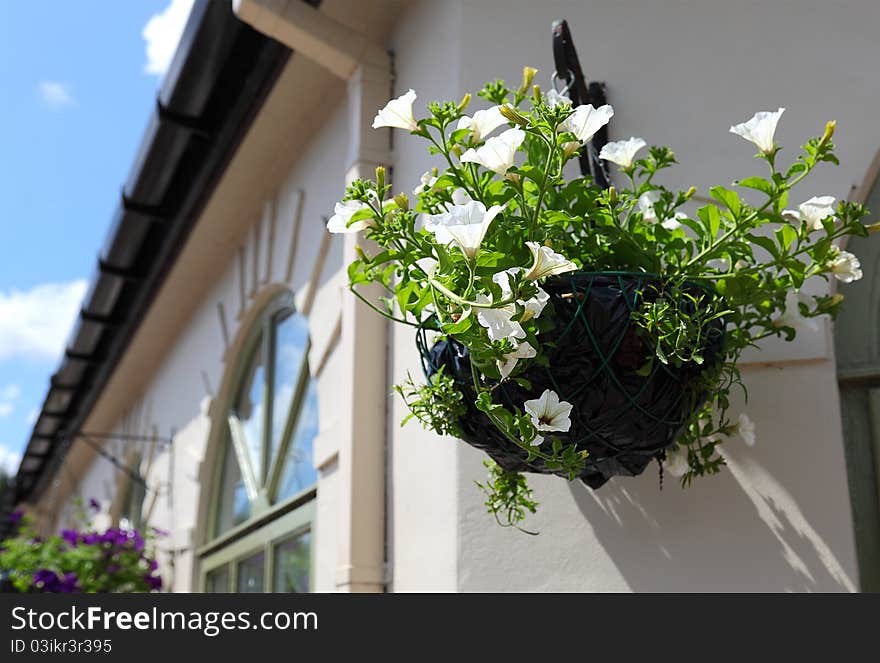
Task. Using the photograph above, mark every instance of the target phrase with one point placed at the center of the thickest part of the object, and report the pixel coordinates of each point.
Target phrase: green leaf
(796, 269)
(730, 199)
(765, 243)
(795, 168)
(404, 292)
(464, 323)
(757, 183)
(786, 235)
(711, 218)
(361, 215)
(525, 384)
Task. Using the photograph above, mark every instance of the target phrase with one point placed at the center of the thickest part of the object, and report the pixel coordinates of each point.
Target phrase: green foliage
(438, 405)
(80, 560)
(678, 321)
(508, 497)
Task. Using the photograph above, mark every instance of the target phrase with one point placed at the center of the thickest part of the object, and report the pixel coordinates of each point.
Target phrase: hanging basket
(622, 414)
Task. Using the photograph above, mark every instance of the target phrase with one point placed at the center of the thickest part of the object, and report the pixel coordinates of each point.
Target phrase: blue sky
(79, 80)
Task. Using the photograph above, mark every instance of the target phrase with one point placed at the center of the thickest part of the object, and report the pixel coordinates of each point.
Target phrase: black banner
(164, 627)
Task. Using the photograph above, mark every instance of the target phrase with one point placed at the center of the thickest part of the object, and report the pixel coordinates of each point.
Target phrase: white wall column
(350, 56)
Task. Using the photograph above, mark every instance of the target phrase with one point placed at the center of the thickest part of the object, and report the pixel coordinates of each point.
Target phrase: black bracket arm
(569, 72)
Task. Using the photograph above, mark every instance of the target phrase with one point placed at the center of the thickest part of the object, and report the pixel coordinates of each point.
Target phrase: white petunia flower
(534, 306)
(570, 147)
(497, 321)
(791, 215)
(482, 123)
(585, 121)
(816, 210)
(675, 222)
(791, 316)
(464, 225)
(546, 262)
(498, 153)
(426, 183)
(554, 99)
(398, 114)
(523, 351)
(537, 441)
(460, 197)
(622, 152)
(342, 213)
(676, 462)
(745, 428)
(760, 129)
(646, 205)
(846, 267)
(548, 413)
(503, 279)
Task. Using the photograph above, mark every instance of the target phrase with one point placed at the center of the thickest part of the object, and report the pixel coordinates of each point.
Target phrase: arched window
(264, 491)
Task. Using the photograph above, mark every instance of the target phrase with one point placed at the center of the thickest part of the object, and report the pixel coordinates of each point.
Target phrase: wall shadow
(758, 540)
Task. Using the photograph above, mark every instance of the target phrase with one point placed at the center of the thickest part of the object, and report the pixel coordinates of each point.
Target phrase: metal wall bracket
(568, 70)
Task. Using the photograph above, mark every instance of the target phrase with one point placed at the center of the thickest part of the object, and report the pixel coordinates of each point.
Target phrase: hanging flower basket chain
(579, 330)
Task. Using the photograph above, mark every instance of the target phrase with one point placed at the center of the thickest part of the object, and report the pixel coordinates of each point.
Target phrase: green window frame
(227, 559)
(265, 486)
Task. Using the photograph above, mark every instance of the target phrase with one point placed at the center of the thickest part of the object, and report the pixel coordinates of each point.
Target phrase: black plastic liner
(622, 418)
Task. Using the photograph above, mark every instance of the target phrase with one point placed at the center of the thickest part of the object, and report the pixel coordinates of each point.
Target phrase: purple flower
(68, 584)
(112, 536)
(45, 578)
(153, 582)
(71, 536)
(153, 565)
(94, 505)
(113, 569)
(121, 537)
(16, 516)
(91, 539)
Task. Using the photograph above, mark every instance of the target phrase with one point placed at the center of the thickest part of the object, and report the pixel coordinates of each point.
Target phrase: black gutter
(221, 74)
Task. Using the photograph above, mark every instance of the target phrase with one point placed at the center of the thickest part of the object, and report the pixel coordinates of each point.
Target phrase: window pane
(291, 340)
(217, 581)
(298, 472)
(251, 574)
(292, 564)
(133, 502)
(233, 505)
(249, 408)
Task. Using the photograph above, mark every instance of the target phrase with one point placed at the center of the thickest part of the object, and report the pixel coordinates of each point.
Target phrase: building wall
(281, 245)
(678, 73)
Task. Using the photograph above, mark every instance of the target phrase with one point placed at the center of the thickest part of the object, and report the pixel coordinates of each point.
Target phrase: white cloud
(35, 323)
(55, 95)
(9, 460)
(10, 392)
(8, 395)
(162, 34)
